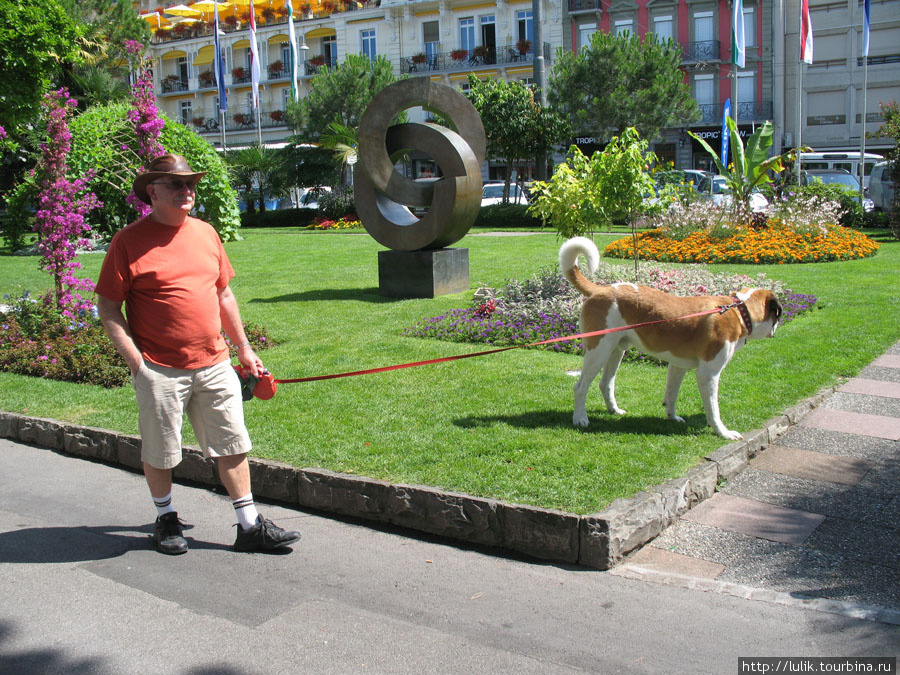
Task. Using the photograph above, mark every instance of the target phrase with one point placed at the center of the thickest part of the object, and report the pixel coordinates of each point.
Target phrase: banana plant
(750, 168)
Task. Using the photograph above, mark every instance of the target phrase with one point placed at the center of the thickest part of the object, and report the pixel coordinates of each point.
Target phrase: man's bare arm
(117, 329)
(234, 329)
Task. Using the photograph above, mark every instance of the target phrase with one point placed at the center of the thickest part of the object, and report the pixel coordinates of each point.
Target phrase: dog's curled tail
(568, 259)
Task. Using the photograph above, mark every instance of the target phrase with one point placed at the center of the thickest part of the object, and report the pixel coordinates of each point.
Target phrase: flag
(738, 41)
(806, 33)
(865, 49)
(292, 36)
(726, 113)
(220, 63)
(254, 58)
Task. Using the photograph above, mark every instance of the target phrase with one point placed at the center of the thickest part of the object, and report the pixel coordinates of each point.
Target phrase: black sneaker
(167, 534)
(264, 536)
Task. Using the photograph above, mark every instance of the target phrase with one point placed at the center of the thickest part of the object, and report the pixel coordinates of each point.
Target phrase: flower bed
(546, 306)
(777, 244)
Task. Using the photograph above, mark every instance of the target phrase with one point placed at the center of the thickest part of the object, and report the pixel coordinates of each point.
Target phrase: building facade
(445, 40)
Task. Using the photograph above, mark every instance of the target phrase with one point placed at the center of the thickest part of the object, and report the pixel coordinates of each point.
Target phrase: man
(171, 271)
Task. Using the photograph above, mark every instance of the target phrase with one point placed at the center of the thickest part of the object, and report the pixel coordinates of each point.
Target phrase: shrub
(279, 218)
(501, 216)
(36, 340)
(547, 306)
(102, 140)
(337, 203)
(851, 215)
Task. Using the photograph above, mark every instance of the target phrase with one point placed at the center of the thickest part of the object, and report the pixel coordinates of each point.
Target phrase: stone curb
(599, 540)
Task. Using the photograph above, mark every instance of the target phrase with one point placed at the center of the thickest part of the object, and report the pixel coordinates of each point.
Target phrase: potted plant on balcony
(241, 118)
(206, 78)
(419, 58)
(306, 10)
(199, 121)
(238, 73)
(479, 52)
(245, 16)
(317, 60)
(181, 30)
(328, 6)
(231, 22)
(275, 68)
(276, 115)
(524, 46)
(459, 55)
(268, 14)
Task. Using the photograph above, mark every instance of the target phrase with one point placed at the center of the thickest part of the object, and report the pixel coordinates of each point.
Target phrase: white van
(838, 159)
(881, 187)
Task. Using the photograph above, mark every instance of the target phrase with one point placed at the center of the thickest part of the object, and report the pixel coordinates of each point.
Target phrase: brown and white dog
(706, 343)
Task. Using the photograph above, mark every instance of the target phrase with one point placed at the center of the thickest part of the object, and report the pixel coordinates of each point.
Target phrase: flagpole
(862, 122)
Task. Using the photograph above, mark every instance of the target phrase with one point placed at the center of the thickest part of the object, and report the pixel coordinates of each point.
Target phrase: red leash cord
(718, 310)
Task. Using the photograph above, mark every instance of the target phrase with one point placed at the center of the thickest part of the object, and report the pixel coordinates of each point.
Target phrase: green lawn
(497, 426)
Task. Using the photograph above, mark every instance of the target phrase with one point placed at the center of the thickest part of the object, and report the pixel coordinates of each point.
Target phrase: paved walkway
(816, 516)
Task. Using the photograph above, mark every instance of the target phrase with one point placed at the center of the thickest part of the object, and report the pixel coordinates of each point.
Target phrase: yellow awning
(241, 44)
(174, 54)
(205, 56)
(279, 39)
(320, 32)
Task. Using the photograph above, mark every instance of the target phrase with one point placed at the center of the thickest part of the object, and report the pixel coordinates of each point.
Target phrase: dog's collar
(741, 307)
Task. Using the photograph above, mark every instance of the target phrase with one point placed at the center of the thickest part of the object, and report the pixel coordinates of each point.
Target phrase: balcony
(313, 65)
(576, 6)
(461, 59)
(747, 111)
(243, 119)
(173, 84)
(705, 51)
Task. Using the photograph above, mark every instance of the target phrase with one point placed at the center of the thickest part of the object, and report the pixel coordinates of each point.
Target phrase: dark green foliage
(337, 203)
(279, 218)
(503, 216)
(102, 138)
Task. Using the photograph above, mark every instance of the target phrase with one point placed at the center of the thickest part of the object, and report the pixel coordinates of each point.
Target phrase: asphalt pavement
(796, 556)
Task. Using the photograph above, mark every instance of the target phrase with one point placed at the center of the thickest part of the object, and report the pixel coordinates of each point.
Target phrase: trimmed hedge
(503, 216)
(279, 218)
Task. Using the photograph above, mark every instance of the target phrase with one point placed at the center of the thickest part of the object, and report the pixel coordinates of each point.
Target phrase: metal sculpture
(383, 195)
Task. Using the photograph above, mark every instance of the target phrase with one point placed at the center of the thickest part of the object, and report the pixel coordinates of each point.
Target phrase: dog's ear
(773, 307)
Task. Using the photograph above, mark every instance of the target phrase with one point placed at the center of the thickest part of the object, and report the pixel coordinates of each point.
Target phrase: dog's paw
(676, 418)
(730, 435)
(616, 410)
(579, 420)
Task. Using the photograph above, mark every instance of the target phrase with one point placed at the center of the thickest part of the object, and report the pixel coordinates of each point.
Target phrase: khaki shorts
(212, 398)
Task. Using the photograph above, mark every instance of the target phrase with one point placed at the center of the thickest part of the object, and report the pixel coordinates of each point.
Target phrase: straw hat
(164, 165)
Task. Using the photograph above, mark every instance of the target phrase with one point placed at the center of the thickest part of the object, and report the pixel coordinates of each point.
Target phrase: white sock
(245, 510)
(163, 504)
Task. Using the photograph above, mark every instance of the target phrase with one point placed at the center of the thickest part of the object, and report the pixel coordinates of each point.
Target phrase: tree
(516, 126)
(890, 128)
(340, 94)
(344, 142)
(257, 173)
(622, 81)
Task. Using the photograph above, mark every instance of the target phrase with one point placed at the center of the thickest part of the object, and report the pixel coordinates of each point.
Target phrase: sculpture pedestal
(423, 274)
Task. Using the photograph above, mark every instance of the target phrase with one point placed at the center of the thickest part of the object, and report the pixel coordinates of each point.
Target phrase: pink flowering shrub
(148, 125)
(62, 207)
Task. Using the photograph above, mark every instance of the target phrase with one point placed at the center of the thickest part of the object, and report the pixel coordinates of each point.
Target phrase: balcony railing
(312, 66)
(747, 111)
(707, 50)
(467, 60)
(583, 5)
(243, 119)
(170, 85)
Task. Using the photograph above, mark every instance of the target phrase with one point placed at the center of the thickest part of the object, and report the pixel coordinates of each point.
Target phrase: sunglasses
(177, 185)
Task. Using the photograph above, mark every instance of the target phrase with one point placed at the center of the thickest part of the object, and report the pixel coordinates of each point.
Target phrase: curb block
(599, 540)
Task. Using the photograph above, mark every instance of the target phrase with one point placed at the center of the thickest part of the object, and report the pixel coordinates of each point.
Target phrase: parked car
(690, 177)
(716, 188)
(492, 193)
(836, 177)
(881, 186)
(838, 159)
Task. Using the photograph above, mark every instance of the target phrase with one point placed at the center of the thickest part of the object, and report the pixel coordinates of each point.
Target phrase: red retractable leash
(266, 385)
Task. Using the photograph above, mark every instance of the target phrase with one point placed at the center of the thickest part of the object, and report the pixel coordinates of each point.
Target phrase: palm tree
(344, 141)
(258, 172)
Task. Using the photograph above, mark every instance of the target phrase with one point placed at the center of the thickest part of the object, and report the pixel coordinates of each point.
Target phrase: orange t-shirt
(169, 279)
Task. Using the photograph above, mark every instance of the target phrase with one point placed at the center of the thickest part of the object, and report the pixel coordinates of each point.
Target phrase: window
(703, 27)
(431, 36)
(285, 97)
(329, 49)
(286, 56)
(182, 68)
(662, 27)
(467, 33)
(489, 37)
(367, 38)
(704, 90)
(746, 87)
(186, 113)
(526, 25)
(749, 27)
(585, 32)
(624, 26)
